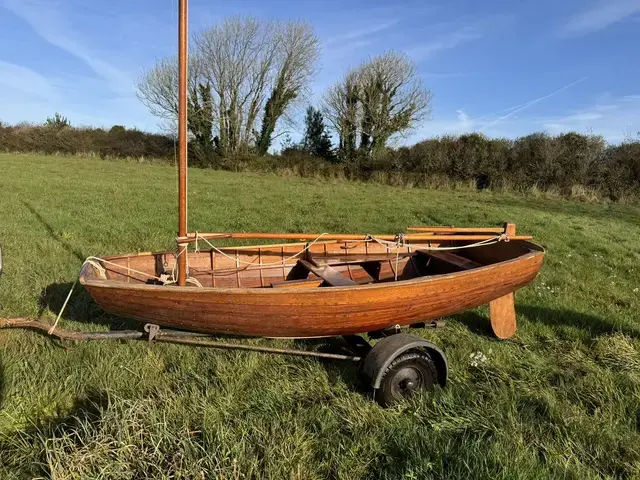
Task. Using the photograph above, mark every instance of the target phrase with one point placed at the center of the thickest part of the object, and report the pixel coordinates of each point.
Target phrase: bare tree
(158, 90)
(242, 61)
(294, 66)
(381, 98)
(237, 57)
(342, 109)
(158, 86)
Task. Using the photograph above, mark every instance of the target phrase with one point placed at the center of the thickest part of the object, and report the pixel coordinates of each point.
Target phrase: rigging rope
(98, 263)
(399, 243)
(235, 259)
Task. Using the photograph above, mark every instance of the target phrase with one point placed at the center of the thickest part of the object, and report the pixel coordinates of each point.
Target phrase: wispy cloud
(26, 81)
(451, 34)
(600, 15)
(450, 40)
(530, 103)
(443, 74)
(344, 45)
(360, 33)
(615, 118)
(46, 21)
(463, 119)
(96, 93)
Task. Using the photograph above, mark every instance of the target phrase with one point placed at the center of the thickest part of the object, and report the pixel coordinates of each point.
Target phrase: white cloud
(26, 81)
(342, 52)
(47, 22)
(359, 33)
(356, 33)
(615, 120)
(447, 41)
(464, 122)
(451, 34)
(485, 123)
(582, 117)
(462, 116)
(600, 15)
(31, 95)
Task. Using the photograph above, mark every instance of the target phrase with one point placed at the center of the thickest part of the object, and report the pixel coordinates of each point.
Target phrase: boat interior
(304, 265)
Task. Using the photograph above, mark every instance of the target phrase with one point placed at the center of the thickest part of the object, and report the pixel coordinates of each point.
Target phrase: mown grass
(561, 399)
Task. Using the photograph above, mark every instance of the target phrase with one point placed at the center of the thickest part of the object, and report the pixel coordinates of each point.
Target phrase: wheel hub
(407, 381)
(408, 384)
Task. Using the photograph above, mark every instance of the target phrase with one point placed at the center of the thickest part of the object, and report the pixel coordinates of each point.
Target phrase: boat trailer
(395, 367)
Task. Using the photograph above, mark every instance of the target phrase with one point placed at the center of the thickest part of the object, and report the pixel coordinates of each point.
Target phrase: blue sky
(503, 68)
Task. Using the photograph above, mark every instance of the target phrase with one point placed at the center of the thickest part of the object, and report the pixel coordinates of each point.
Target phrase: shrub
(582, 166)
(53, 138)
(619, 172)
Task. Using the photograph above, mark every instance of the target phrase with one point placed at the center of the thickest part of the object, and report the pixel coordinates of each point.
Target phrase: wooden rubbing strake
(304, 283)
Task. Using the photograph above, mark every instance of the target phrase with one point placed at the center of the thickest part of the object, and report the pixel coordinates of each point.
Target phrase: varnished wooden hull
(315, 312)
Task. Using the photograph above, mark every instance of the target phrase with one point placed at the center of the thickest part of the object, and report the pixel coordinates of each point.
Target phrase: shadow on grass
(65, 245)
(583, 321)
(475, 322)
(347, 371)
(81, 307)
(594, 325)
(23, 453)
(1, 385)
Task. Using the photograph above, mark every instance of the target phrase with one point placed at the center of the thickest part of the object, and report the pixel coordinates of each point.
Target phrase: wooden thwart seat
(451, 258)
(322, 260)
(329, 274)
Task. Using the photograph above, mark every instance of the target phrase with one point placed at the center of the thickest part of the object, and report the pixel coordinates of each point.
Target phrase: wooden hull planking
(253, 309)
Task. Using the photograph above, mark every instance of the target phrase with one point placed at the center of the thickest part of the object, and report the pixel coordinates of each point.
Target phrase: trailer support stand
(152, 329)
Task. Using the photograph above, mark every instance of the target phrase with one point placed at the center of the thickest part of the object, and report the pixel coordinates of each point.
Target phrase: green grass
(561, 399)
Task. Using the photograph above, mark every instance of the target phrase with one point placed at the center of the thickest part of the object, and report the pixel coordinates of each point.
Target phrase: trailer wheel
(402, 364)
(407, 374)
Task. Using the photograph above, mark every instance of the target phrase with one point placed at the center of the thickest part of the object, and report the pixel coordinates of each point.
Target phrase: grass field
(561, 399)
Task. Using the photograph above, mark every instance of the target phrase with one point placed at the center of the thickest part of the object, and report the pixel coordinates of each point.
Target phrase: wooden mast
(182, 140)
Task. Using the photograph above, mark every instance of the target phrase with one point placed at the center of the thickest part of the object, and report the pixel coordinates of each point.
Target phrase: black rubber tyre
(408, 373)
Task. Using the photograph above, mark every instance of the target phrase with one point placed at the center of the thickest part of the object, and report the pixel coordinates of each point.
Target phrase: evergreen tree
(316, 138)
(201, 121)
(57, 121)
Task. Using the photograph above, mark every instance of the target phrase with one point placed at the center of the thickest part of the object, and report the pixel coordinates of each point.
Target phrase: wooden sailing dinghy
(320, 285)
(329, 288)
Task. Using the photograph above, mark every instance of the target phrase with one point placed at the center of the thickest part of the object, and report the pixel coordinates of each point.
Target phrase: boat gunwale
(536, 250)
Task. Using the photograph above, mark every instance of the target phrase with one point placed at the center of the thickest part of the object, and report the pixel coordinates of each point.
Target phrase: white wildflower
(477, 358)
